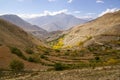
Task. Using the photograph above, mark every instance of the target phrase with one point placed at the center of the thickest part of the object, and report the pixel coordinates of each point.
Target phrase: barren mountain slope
(11, 35)
(33, 29)
(6, 57)
(108, 24)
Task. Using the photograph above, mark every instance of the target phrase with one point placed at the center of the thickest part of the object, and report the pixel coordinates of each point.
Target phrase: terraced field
(99, 73)
(50, 60)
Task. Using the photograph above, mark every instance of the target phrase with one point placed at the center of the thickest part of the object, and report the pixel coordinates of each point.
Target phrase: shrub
(97, 59)
(91, 49)
(31, 59)
(1, 72)
(0, 44)
(57, 50)
(68, 50)
(58, 66)
(67, 53)
(43, 56)
(16, 51)
(47, 52)
(29, 51)
(17, 65)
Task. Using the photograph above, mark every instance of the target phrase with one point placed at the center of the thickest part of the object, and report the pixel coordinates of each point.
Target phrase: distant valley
(59, 39)
(93, 46)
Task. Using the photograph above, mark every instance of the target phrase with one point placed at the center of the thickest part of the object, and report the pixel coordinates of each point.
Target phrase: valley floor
(99, 73)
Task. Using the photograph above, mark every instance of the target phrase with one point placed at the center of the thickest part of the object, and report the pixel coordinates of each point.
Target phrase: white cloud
(108, 11)
(99, 1)
(86, 17)
(51, 0)
(91, 13)
(70, 1)
(45, 13)
(76, 12)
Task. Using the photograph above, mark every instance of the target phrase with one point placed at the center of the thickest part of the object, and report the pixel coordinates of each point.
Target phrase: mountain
(13, 37)
(103, 30)
(24, 25)
(53, 35)
(57, 22)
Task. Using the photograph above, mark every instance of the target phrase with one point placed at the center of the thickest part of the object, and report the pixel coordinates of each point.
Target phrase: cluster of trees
(59, 44)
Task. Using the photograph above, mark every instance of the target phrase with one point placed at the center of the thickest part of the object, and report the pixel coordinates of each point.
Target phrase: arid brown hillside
(107, 25)
(11, 35)
(6, 57)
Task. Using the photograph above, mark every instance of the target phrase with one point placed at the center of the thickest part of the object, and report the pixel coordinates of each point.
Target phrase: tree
(59, 44)
(17, 65)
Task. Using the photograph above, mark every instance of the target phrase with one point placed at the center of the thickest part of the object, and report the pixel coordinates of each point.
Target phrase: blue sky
(79, 8)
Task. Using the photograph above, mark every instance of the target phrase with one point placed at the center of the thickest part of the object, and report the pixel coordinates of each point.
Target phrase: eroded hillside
(108, 24)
